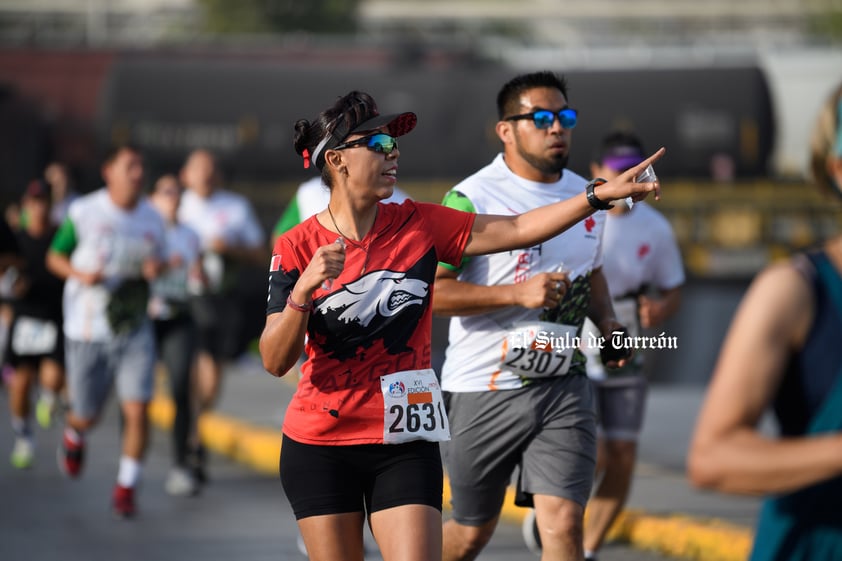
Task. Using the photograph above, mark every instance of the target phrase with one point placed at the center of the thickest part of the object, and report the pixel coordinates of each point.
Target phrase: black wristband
(592, 199)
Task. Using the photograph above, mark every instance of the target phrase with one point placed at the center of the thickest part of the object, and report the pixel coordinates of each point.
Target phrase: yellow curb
(258, 448)
(684, 536)
(677, 535)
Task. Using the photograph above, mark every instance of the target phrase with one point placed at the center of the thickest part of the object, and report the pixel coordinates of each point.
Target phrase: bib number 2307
(414, 409)
(539, 350)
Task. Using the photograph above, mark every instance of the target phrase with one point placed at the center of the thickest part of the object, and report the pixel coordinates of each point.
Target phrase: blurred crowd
(106, 286)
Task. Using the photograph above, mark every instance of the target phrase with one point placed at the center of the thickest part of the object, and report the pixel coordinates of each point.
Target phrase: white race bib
(34, 336)
(414, 409)
(539, 349)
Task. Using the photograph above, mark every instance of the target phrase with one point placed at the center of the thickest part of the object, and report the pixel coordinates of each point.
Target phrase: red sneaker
(70, 455)
(122, 501)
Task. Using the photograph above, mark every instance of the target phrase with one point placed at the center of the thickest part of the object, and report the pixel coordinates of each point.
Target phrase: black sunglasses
(544, 118)
(379, 142)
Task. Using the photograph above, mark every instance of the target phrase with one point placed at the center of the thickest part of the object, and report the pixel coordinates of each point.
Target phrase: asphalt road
(240, 515)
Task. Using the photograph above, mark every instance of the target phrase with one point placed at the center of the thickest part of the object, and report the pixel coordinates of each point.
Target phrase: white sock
(589, 553)
(48, 397)
(129, 471)
(72, 435)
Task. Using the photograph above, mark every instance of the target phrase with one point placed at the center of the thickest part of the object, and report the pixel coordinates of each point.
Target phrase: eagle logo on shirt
(378, 294)
(382, 304)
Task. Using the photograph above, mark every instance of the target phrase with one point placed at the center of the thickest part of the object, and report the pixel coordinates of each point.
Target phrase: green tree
(267, 16)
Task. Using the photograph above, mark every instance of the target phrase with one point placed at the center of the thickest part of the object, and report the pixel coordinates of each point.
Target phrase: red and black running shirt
(368, 324)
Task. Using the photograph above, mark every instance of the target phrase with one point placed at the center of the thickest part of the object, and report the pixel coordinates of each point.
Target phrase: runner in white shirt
(643, 267)
(110, 246)
(473, 359)
(513, 375)
(231, 237)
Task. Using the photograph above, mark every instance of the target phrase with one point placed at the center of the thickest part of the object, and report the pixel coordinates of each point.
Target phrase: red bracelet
(308, 307)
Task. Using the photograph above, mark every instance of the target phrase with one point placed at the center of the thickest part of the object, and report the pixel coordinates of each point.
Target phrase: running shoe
(590, 558)
(530, 533)
(23, 453)
(181, 483)
(71, 455)
(44, 412)
(122, 502)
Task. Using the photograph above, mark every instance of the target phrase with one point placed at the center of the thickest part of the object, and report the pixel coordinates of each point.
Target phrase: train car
(710, 118)
(714, 120)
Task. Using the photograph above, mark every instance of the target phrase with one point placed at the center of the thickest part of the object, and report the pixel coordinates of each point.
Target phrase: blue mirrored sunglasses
(379, 142)
(544, 118)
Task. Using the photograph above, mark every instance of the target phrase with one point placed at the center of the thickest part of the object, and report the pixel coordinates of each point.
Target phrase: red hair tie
(306, 155)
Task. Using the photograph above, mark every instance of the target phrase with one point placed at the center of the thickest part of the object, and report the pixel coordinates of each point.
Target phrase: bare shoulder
(781, 297)
(786, 279)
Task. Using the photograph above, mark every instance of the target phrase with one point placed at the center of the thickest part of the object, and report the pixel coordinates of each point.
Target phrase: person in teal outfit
(782, 351)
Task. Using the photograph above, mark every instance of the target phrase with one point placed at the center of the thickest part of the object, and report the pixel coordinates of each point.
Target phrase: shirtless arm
(727, 452)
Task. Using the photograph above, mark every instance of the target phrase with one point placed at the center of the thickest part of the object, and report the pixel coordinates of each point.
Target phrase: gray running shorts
(548, 429)
(92, 367)
(621, 405)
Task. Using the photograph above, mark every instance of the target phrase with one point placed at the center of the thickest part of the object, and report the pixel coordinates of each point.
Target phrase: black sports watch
(592, 200)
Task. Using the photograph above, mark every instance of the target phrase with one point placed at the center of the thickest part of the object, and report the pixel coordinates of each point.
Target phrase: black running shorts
(366, 478)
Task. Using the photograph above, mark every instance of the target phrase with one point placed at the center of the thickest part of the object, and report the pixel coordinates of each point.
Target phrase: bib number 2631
(414, 409)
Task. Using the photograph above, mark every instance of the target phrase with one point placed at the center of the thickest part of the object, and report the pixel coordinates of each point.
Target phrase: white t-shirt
(477, 342)
(640, 250)
(173, 285)
(223, 215)
(112, 240)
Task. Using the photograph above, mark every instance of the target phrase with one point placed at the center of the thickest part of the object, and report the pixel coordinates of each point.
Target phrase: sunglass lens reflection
(568, 118)
(383, 143)
(545, 119)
